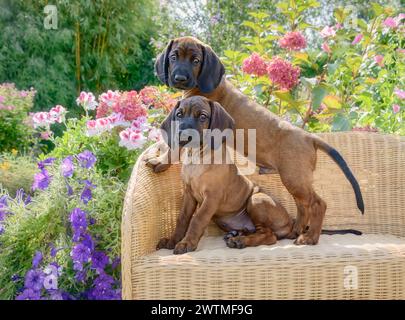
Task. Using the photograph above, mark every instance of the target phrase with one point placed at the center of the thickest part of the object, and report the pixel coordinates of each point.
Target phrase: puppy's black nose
(180, 78)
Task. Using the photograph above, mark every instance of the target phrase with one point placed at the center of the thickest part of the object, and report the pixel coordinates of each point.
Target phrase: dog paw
(183, 247)
(235, 242)
(306, 239)
(231, 234)
(165, 243)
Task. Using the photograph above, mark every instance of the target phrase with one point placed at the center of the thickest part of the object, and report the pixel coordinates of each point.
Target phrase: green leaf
(332, 102)
(341, 123)
(318, 94)
(377, 8)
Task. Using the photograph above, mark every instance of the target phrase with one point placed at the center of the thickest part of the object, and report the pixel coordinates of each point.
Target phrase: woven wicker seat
(329, 270)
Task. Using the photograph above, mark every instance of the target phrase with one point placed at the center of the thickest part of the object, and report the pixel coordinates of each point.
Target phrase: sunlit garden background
(79, 102)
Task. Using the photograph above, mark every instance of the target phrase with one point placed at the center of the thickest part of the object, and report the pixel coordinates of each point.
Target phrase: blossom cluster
(293, 41)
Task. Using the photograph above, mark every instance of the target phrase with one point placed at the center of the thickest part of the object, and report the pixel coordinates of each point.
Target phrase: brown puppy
(217, 191)
(191, 65)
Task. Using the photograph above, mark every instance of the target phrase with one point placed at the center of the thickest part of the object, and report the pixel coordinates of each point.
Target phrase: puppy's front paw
(235, 242)
(165, 243)
(307, 238)
(184, 247)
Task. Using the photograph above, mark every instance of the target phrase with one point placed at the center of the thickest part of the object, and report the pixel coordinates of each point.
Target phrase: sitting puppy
(217, 191)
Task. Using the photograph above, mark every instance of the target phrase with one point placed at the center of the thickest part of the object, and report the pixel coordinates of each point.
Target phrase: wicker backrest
(378, 162)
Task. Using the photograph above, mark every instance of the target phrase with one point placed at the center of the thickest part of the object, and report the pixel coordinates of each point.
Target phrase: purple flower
(29, 294)
(103, 289)
(99, 260)
(34, 279)
(15, 278)
(88, 183)
(80, 253)
(41, 180)
(67, 167)
(88, 242)
(55, 295)
(77, 266)
(46, 162)
(86, 195)
(37, 259)
(78, 220)
(3, 207)
(81, 276)
(86, 159)
(69, 189)
(116, 262)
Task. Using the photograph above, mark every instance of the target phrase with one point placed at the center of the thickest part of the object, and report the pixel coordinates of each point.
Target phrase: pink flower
(96, 127)
(155, 135)
(45, 135)
(283, 73)
(148, 95)
(129, 105)
(325, 47)
(254, 65)
(57, 114)
(23, 94)
(2, 99)
(87, 100)
(328, 32)
(293, 41)
(338, 26)
(396, 108)
(140, 123)
(390, 23)
(357, 39)
(400, 93)
(118, 120)
(379, 59)
(41, 119)
(132, 139)
(401, 51)
(400, 17)
(106, 101)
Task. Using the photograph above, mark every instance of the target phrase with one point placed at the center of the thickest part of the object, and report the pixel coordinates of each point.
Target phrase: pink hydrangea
(357, 39)
(105, 103)
(390, 23)
(255, 65)
(283, 73)
(132, 139)
(87, 100)
(325, 47)
(328, 32)
(293, 41)
(399, 93)
(396, 108)
(130, 106)
(379, 59)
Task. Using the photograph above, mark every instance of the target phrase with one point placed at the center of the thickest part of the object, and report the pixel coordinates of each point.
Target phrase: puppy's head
(194, 115)
(188, 63)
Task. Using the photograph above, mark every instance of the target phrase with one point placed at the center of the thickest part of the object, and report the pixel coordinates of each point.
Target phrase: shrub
(14, 108)
(16, 172)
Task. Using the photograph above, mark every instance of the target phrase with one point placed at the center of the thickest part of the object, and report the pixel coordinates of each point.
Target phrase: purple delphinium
(55, 295)
(78, 221)
(86, 195)
(80, 253)
(116, 262)
(37, 259)
(34, 279)
(99, 260)
(41, 180)
(88, 242)
(103, 288)
(29, 294)
(3, 207)
(69, 189)
(47, 162)
(67, 167)
(86, 159)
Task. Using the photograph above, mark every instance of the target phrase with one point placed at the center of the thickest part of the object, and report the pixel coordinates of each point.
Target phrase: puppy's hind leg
(270, 219)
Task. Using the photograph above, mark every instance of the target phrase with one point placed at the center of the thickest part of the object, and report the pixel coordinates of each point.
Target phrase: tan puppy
(191, 65)
(217, 191)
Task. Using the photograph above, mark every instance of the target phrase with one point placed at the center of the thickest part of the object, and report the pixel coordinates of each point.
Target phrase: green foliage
(338, 91)
(15, 133)
(16, 173)
(97, 45)
(44, 223)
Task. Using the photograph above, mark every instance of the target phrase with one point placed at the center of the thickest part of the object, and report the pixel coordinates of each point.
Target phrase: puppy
(217, 191)
(191, 65)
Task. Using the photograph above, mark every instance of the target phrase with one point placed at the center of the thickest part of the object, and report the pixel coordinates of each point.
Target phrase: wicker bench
(371, 266)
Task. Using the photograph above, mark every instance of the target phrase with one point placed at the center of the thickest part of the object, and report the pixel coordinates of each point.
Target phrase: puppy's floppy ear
(167, 125)
(211, 71)
(220, 119)
(162, 64)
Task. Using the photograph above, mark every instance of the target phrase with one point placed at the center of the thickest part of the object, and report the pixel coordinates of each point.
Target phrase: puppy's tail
(335, 155)
(342, 231)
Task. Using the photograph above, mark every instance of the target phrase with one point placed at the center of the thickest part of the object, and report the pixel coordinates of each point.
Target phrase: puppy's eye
(196, 61)
(173, 57)
(203, 117)
(179, 114)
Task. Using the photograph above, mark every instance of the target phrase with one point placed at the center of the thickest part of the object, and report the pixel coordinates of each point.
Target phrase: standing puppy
(190, 65)
(217, 191)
